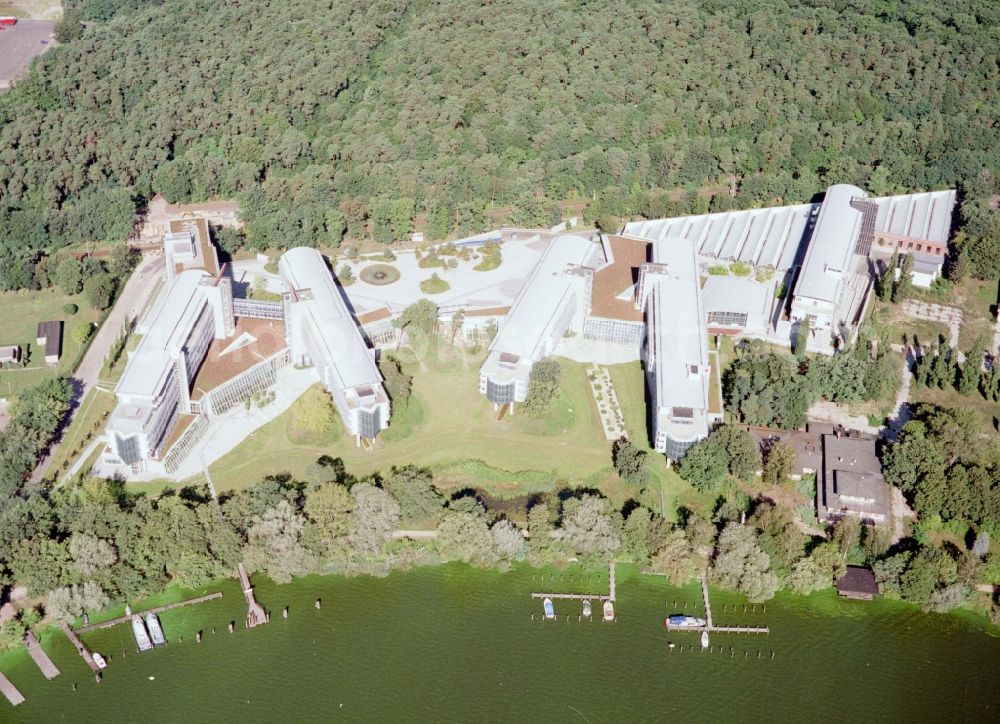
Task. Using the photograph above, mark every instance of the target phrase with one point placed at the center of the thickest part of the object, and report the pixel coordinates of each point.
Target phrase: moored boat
(550, 610)
(586, 609)
(684, 621)
(99, 660)
(609, 611)
(704, 639)
(141, 635)
(153, 623)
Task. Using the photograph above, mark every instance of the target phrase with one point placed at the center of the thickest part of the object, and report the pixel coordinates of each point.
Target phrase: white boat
(141, 635)
(550, 611)
(153, 623)
(99, 660)
(609, 611)
(680, 621)
(586, 609)
(704, 639)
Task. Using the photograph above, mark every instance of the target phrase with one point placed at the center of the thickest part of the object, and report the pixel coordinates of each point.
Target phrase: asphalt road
(19, 44)
(128, 306)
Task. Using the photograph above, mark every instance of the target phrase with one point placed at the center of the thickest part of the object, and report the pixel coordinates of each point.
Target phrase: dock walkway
(158, 609)
(255, 612)
(80, 648)
(710, 625)
(40, 658)
(14, 696)
(586, 596)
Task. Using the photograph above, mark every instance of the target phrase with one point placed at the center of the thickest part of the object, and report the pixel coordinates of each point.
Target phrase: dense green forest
(358, 116)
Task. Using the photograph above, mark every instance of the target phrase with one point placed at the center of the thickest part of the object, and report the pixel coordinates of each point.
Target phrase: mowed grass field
(20, 313)
(630, 385)
(453, 429)
(449, 422)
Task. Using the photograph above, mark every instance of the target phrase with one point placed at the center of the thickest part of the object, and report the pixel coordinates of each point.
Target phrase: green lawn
(455, 424)
(630, 385)
(984, 411)
(87, 423)
(20, 313)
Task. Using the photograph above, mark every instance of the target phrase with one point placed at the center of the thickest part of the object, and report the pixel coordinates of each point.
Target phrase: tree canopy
(371, 114)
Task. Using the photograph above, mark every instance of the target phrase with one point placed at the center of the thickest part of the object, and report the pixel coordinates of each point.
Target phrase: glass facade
(256, 379)
(499, 393)
(180, 450)
(370, 422)
(614, 330)
(196, 345)
(127, 448)
(258, 309)
(728, 319)
(676, 449)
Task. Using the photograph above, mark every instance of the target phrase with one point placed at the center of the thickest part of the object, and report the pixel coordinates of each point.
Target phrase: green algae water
(460, 645)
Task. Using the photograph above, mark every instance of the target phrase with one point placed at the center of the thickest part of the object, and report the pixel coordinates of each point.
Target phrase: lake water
(459, 644)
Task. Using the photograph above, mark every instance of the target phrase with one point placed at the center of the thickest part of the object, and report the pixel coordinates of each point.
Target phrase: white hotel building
(675, 353)
(203, 354)
(155, 387)
(322, 333)
(555, 300)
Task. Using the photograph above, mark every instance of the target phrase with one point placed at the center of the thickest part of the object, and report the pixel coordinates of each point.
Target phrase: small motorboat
(704, 639)
(586, 609)
(100, 661)
(609, 611)
(550, 610)
(141, 635)
(155, 632)
(681, 621)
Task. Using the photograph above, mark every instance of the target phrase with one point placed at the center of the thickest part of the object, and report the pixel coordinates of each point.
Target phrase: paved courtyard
(468, 287)
(950, 316)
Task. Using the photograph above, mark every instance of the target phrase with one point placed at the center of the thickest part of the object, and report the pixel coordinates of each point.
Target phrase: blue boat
(550, 610)
(678, 620)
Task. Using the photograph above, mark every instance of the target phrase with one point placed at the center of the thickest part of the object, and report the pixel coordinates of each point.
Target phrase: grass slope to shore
(453, 429)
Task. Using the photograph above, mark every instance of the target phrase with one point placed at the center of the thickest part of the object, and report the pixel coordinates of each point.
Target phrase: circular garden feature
(380, 274)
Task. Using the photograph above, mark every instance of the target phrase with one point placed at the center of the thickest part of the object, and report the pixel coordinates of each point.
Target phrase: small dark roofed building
(859, 582)
(852, 482)
(49, 336)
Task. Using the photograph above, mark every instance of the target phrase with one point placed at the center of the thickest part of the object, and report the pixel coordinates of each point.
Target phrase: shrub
(434, 285)
(70, 309)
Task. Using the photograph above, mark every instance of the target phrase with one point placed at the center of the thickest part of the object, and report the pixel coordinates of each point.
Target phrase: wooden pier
(158, 609)
(255, 612)
(40, 658)
(80, 648)
(710, 624)
(586, 596)
(14, 696)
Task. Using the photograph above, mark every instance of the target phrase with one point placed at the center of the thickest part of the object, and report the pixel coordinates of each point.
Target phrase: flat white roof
(334, 328)
(828, 259)
(677, 332)
(525, 325)
(167, 330)
(735, 294)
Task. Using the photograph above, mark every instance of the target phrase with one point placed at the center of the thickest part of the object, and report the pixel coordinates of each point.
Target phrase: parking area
(19, 44)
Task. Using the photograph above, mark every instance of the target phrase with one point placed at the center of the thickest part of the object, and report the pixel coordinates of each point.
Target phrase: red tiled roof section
(219, 368)
(375, 315)
(615, 278)
(487, 312)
